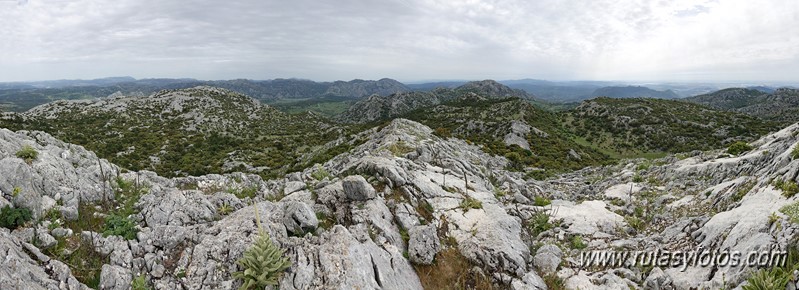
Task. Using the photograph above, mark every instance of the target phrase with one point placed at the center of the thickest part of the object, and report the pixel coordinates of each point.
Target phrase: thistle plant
(263, 263)
(765, 279)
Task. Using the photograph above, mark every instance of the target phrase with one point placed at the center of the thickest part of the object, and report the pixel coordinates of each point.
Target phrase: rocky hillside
(633, 126)
(491, 89)
(728, 99)
(362, 88)
(376, 108)
(782, 105)
(186, 132)
(404, 210)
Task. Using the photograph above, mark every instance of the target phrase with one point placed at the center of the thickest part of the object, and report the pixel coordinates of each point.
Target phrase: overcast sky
(408, 40)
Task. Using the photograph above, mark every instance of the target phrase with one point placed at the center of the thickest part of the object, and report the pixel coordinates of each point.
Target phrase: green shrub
(263, 263)
(768, 279)
(470, 203)
(139, 283)
(117, 225)
(576, 242)
(541, 201)
(738, 147)
(638, 178)
(795, 152)
(12, 218)
(245, 192)
(28, 153)
(224, 209)
(539, 223)
(773, 218)
(635, 223)
(499, 193)
(320, 173)
(789, 189)
(792, 211)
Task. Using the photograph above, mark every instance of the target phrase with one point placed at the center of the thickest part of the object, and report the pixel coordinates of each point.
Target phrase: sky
(408, 40)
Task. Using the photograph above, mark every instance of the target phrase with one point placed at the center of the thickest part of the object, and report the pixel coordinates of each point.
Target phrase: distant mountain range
(633, 92)
(780, 105)
(575, 91)
(23, 96)
(331, 98)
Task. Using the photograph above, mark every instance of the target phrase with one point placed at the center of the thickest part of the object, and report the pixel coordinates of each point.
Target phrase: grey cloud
(404, 39)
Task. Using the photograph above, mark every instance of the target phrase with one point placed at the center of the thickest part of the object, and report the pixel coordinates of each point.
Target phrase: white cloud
(404, 39)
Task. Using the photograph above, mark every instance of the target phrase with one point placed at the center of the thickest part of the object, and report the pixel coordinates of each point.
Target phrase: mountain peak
(492, 88)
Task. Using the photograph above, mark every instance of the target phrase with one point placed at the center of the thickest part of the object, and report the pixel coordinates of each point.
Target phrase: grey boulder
(357, 188)
(423, 245)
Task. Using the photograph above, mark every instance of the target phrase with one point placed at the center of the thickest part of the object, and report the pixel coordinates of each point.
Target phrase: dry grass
(451, 271)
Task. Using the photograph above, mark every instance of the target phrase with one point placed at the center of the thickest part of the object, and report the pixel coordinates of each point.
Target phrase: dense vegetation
(486, 122)
(326, 105)
(635, 126)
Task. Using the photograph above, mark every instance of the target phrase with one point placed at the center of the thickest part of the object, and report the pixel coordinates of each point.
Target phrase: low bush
(541, 201)
(244, 192)
(12, 218)
(768, 279)
(792, 211)
(27, 153)
(738, 147)
(139, 283)
(116, 225)
(576, 242)
(539, 223)
(470, 203)
(320, 173)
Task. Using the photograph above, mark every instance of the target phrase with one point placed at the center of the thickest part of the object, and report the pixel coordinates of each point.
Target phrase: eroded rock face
(62, 172)
(346, 263)
(18, 270)
(176, 207)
